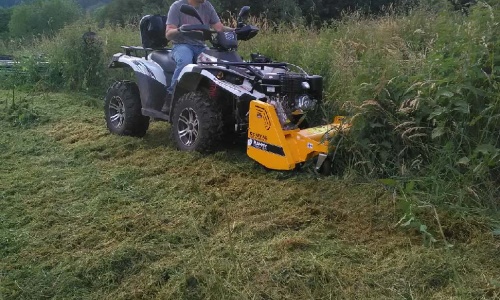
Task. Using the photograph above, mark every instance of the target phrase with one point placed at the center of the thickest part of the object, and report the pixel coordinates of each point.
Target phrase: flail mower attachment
(275, 147)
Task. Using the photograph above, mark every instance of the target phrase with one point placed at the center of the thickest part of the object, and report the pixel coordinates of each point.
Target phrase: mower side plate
(280, 149)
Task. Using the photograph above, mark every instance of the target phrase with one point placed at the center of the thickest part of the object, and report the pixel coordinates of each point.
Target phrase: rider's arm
(219, 27)
(173, 20)
(171, 32)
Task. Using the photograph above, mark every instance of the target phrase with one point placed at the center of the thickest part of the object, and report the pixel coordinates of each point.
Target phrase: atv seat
(153, 31)
(164, 59)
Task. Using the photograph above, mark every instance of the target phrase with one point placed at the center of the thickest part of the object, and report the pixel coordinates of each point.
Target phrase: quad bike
(218, 94)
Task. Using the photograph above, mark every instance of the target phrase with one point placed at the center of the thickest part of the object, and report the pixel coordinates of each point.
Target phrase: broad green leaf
(474, 90)
(444, 93)
(409, 186)
(437, 132)
(463, 161)
(461, 106)
(437, 112)
(388, 181)
(485, 149)
(406, 207)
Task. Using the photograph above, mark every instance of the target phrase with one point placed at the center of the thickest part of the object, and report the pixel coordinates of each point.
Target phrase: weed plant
(20, 112)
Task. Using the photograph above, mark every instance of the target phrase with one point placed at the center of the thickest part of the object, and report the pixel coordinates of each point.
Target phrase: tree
(86, 4)
(4, 22)
(42, 17)
(122, 11)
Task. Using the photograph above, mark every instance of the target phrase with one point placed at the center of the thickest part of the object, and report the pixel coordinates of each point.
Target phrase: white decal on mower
(265, 147)
(258, 145)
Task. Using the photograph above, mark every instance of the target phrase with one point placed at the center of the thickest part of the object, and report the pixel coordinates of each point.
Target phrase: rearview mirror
(244, 12)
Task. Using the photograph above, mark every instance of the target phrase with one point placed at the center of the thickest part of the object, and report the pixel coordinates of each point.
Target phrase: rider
(186, 49)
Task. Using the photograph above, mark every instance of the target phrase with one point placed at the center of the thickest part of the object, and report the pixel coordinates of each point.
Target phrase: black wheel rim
(188, 127)
(116, 111)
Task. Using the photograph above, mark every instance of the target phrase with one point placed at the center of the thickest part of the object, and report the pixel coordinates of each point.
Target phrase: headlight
(304, 102)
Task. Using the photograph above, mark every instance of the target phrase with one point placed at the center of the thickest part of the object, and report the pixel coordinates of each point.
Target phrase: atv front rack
(250, 66)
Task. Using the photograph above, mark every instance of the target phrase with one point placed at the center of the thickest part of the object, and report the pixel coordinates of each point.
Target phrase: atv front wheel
(122, 110)
(197, 123)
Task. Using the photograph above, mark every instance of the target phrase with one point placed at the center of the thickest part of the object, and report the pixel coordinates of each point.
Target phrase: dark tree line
(124, 11)
(120, 11)
(312, 11)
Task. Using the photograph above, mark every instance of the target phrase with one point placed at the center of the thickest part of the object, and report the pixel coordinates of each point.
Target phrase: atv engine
(292, 93)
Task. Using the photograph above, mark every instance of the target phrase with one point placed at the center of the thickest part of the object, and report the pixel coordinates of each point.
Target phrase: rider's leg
(183, 55)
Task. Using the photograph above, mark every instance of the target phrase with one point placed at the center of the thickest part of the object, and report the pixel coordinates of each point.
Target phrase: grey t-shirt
(176, 18)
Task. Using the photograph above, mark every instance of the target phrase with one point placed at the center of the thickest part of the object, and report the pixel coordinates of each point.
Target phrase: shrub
(75, 62)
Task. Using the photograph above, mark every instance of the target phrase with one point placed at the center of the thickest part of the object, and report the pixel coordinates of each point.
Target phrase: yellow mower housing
(275, 147)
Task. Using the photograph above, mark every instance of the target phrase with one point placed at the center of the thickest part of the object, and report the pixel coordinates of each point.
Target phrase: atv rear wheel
(122, 110)
(196, 123)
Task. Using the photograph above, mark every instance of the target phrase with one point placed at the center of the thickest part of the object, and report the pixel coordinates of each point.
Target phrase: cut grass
(86, 214)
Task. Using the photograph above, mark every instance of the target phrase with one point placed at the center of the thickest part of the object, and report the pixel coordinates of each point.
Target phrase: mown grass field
(89, 215)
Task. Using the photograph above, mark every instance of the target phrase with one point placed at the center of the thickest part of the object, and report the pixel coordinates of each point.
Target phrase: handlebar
(204, 32)
(197, 29)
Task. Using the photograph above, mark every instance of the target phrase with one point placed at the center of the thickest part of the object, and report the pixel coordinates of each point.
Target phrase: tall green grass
(438, 124)
(423, 92)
